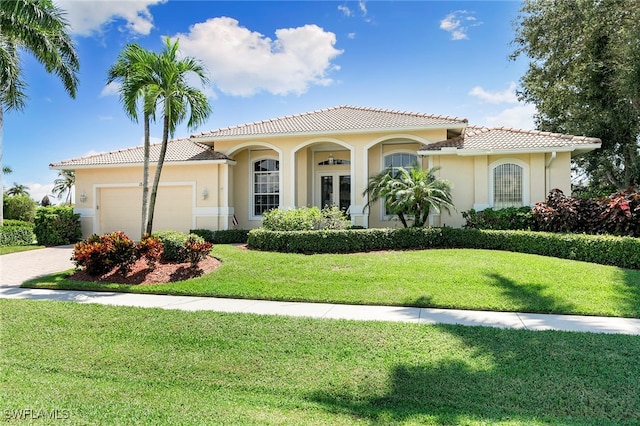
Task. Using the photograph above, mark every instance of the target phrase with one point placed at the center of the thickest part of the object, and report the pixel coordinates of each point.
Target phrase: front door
(335, 190)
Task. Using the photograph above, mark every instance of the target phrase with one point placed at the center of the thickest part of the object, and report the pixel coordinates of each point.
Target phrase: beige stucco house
(228, 177)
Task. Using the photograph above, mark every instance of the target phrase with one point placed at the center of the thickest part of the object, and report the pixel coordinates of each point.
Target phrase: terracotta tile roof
(506, 139)
(178, 150)
(336, 120)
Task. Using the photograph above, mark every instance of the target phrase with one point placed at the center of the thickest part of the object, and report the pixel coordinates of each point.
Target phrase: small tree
(410, 192)
(18, 190)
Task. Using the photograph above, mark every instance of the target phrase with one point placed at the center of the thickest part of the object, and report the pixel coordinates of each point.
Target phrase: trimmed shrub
(12, 222)
(57, 225)
(514, 218)
(603, 249)
(196, 249)
(20, 207)
(150, 248)
(16, 235)
(172, 243)
(180, 247)
(100, 254)
(304, 219)
(344, 241)
(226, 236)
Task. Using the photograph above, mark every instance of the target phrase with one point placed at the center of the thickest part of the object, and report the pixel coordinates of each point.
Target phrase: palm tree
(40, 28)
(63, 185)
(163, 81)
(131, 58)
(17, 190)
(410, 192)
(6, 170)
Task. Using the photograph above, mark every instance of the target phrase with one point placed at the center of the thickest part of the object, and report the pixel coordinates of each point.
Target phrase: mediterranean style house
(229, 177)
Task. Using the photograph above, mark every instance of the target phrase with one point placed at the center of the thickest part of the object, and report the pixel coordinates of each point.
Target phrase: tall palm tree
(17, 190)
(64, 184)
(132, 58)
(39, 27)
(410, 192)
(163, 80)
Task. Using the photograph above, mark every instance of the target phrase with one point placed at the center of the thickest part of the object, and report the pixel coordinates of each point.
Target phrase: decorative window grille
(507, 186)
(396, 161)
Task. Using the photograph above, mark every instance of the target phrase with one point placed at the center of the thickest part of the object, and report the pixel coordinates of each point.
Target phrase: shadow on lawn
(530, 297)
(507, 375)
(630, 293)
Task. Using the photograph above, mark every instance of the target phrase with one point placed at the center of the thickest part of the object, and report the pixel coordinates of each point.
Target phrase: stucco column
(481, 182)
(359, 179)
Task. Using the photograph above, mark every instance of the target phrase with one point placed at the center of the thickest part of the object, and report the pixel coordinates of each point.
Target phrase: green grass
(126, 366)
(465, 279)
(16, 249)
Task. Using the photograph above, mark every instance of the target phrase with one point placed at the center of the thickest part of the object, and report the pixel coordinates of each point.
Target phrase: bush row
(16, 235)
(305, 219)
(100, 254)
(57, 225)
(511, 218)
(604, 249)
(227, 236)
(617, 214)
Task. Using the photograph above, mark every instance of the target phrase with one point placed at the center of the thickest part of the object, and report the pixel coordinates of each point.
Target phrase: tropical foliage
(17, 190)
(40, 28)
(584, 79)
(63, 185)
(414, 192)
(162, 81)
(131, 57)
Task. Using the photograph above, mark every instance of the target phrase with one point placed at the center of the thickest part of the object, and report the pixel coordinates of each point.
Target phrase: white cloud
(37, 191)
(244, 62)
(363, 7)
(351, 36)
(458, 23)
(112, 88)
(506, 96)
(105, 117)
(345, 10)
(87, 17)
(517, 117)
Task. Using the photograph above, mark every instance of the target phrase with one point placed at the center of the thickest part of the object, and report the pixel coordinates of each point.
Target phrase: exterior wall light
(205, 194)
(330, 159)
(83, 197)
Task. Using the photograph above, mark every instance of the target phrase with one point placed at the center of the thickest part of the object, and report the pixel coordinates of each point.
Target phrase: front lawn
(93, 364)
(459, 278)
(16, 249)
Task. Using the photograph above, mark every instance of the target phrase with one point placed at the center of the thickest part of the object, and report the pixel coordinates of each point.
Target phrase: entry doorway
(334, 190)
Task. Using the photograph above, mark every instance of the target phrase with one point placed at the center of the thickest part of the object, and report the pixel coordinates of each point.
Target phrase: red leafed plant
(196, 250)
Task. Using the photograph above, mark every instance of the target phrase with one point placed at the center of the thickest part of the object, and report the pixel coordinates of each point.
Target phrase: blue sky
(270, 59)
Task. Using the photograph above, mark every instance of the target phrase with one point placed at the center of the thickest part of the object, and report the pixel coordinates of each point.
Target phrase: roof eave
(574, 149)
(210, 139)
(138, 164)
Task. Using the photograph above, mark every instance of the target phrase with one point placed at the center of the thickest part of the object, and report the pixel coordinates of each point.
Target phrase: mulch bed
(164, 272)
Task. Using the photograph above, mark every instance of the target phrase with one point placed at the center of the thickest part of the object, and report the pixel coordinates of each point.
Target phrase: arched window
(401, 159)
(508, 185)
(266, 185)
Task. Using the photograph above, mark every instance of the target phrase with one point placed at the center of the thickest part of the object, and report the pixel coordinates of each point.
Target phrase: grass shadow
(530, 297)
(524, 377)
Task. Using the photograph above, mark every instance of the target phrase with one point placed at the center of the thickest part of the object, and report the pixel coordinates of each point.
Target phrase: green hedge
(227, 236)
(57, 225)
(16, 235)
(603, 249)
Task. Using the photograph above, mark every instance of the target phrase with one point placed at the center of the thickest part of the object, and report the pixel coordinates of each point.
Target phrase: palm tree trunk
(145, 177)
(156, 179)
(402, 219)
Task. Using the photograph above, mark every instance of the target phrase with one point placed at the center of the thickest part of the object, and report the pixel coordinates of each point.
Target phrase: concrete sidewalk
(18, 267)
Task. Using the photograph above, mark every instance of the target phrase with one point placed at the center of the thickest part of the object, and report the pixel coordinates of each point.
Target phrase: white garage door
(120, 209)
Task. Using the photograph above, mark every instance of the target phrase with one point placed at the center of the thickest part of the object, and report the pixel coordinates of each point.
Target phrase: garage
(120, 209)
